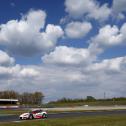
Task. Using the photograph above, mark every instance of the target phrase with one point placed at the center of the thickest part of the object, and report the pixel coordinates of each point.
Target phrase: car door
(38, 114)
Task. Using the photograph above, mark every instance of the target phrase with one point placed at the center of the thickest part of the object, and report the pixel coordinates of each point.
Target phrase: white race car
(35, 114)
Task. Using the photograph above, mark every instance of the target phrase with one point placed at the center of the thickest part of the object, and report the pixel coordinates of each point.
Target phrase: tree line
(87, 99)
(26, 98)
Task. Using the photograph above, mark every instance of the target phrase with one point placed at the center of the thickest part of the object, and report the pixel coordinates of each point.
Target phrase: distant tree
(90, 98)
(26, 98)
(38, 98)
(9, 94)
(34, 98)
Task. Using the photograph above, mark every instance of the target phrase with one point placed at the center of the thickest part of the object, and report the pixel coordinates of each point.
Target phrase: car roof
(36, 110)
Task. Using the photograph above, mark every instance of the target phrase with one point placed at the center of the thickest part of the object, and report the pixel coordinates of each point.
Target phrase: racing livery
(35, 114)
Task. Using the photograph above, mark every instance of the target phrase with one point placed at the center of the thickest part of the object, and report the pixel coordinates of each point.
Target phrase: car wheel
(44, 115)
(31, 116)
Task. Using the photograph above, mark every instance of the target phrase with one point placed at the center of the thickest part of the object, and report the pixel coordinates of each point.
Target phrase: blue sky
(64, 48)
(11, 9)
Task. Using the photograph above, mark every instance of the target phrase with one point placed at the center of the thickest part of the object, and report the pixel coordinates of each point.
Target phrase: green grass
(93, 103)
(111, 120)
(18, 112)
(15, 112)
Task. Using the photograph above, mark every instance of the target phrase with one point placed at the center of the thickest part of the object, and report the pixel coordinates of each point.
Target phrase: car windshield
(35, 111)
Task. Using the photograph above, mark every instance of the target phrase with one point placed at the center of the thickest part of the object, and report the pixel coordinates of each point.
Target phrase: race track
(14, 118)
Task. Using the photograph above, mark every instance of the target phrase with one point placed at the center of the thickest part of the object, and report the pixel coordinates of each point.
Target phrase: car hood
(24, 114)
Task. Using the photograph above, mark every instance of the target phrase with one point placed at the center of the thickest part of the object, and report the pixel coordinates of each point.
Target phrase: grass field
(61, 110)
(15, 112)
(93, 103)
(111, 120)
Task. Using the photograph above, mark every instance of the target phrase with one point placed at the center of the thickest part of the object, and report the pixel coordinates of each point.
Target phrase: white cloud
(107, 37)
(52, 33)
(114, 64)
(36, 19)
(90, 8)
(18, 71)
(119, 6)
(100, 13)
(9, 71)
(5, 59)
(68, 81)
(67, 55)
(119, 9)
(29, 72)
(67, 71)
(77, 29)
(25, 38)
(123, 32)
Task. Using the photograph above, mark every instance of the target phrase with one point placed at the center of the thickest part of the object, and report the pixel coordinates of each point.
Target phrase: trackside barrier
(9, 107)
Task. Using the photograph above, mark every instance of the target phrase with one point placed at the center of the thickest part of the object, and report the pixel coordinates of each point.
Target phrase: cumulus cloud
(67, 55)
(89, 8)
(29, 72)
(36, 19)
(5, 59)
(77, 29)
(65, 71)
(24, 37)
(18, 71)
(119, 9)
(114, 64)
(9, 71)
(69, 81)
(107, 37)
(119, 6)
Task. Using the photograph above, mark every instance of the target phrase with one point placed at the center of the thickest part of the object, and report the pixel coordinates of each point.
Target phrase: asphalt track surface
(14, 118)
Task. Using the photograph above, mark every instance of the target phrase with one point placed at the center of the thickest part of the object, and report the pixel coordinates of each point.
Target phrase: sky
(63, 48)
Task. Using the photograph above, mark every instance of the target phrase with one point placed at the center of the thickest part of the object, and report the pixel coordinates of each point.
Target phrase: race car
(34, 114)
